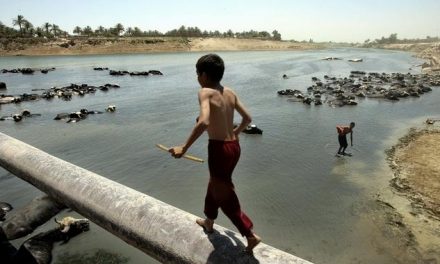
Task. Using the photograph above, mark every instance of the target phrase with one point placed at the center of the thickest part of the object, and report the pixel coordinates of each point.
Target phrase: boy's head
(212, 65)
(352, 124)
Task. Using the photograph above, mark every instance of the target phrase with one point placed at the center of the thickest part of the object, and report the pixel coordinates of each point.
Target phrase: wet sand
(415, 161)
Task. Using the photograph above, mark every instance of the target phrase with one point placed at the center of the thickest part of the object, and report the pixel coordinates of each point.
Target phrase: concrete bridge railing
(162, 231)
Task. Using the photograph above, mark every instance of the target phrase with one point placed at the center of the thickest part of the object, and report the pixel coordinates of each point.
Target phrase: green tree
(2, 29)
(100, 31)
(276, 35)
(230, 34)
(39, 32)
(47, 28)
(137, 32)
(28, 28)
(77, 30)
(55, 30)
(19, 22)
(87, 31)
(119, 28)
(129, 32)
(393, 38)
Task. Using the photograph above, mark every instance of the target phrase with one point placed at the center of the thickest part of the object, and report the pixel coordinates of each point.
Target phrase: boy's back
(222, 103)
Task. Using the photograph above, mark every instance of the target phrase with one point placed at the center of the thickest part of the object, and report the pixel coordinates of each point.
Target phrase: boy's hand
(177, 151)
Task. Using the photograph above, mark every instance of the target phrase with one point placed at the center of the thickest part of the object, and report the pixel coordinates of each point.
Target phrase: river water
(301, 198)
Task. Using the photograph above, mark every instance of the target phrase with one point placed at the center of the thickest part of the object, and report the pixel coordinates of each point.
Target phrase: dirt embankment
(415, 161)
(428, 51)
(89, 46)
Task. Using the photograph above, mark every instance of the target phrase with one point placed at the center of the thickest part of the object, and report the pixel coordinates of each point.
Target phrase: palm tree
(28, 27)
(19, 22)
(87, 31)
(119, 28)
(39, 31)
(55, 29)
(129, 32)
(137, 32)
(64, 33)
(77, 30)
(100, 31)
(2, 29)
(47, 27)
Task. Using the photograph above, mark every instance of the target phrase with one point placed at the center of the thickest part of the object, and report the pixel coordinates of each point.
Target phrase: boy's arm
(200, 127)
(351, 138)
(246, 118)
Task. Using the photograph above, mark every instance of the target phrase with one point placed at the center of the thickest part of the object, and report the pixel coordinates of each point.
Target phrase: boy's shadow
(228, 249)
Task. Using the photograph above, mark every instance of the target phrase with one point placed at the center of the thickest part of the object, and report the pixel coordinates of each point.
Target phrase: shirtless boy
(342, 137)
(217, 106)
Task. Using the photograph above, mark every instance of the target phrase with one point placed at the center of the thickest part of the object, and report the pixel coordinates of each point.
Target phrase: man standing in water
(342, 138)
(217, 106)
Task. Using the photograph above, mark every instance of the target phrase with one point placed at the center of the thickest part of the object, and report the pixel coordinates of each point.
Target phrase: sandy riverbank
(90, 46)
(415, 161)
(413, 220)
(427, 51)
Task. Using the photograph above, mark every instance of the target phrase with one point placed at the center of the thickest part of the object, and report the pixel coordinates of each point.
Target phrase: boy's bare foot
(207, 225)
(253, 241)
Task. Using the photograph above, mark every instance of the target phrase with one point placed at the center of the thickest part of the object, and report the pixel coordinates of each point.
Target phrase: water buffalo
(19, 117)
(74, 117)
(38, 248)
(111, 108)
(4, 209)
(252, 129)
(24, 220)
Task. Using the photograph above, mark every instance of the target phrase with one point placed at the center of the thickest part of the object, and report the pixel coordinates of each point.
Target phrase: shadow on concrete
(228, 249)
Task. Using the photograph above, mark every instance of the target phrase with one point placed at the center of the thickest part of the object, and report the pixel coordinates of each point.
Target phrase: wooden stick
(162, 147)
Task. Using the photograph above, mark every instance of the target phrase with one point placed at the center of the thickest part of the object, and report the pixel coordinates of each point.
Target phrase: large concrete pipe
(164, 232)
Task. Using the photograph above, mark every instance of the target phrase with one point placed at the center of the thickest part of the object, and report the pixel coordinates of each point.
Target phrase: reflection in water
(99, 256)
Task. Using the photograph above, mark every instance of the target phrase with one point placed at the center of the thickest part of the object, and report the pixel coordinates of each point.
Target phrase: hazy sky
(320, 20)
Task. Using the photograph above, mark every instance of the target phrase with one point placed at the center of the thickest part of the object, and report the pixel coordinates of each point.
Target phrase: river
(301, 198)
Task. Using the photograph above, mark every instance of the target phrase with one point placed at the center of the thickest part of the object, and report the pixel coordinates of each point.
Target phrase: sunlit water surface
(301, 198)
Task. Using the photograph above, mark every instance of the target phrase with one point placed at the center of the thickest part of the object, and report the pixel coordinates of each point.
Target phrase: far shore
(98, 46)
(139, 45)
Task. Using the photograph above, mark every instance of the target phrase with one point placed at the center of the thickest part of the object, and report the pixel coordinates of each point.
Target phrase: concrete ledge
(164, 232)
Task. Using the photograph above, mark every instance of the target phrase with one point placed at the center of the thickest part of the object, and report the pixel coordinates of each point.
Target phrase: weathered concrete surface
(164, 232)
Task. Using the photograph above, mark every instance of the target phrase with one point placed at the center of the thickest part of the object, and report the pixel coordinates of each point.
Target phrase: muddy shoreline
(409, 212)
(415, 162)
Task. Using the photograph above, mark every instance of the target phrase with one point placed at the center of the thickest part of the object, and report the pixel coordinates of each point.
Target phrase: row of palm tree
(183, 31)
(26, 29)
